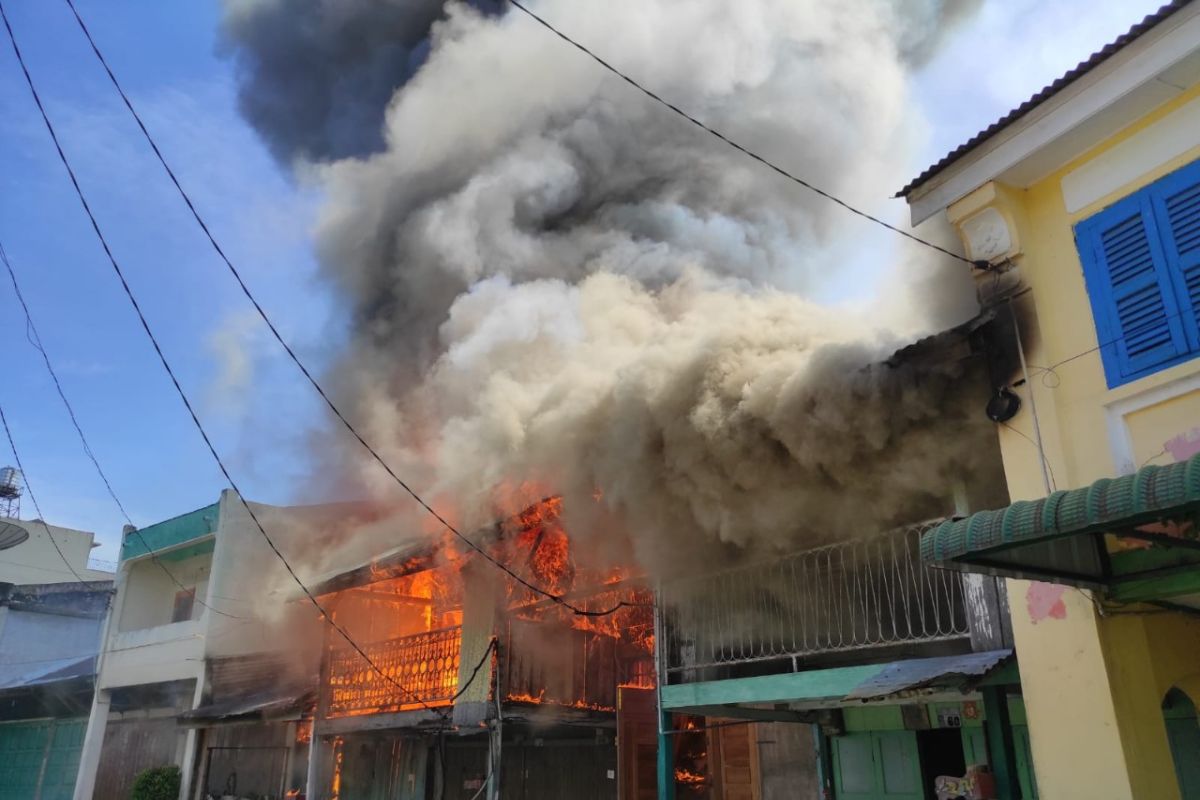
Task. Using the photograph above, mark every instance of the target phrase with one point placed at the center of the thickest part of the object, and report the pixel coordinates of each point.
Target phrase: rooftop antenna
(10, 492)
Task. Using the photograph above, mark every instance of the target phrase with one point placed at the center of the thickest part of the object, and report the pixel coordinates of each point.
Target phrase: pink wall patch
(1045, 601)
(1184, 446)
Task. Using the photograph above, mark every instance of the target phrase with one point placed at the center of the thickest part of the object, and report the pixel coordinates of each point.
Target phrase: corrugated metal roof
(403, 560)
(60, 669)
(945, 672)
(272, 704)
(940, 346)
(1081, 69)
(237, 677)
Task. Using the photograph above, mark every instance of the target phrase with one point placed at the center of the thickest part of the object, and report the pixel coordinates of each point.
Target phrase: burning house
(550, 278)
(474, 674)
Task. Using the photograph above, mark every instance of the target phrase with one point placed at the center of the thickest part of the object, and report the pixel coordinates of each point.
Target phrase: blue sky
(260, 414)
(165, 55)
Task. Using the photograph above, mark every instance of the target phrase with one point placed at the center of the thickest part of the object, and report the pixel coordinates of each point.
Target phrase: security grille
(859, 594)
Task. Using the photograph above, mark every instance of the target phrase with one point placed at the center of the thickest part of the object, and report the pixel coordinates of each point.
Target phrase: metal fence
(425, 665)
(853, 595)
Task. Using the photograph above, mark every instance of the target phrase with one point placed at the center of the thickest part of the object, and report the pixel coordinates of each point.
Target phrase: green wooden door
(62, 762)
(974, 744)
(22, 747)
(25, 746)
(1025, 774)
(1183, 735)
(877, 765)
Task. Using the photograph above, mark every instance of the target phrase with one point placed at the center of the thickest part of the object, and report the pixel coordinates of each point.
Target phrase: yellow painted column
(1073, 728)
(1147, 653)
(1093, 691)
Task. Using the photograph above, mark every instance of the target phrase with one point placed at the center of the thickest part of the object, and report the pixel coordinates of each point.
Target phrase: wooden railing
(422, 668)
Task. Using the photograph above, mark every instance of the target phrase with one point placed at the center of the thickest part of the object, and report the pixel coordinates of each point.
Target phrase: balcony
(421, 669)
(174, 651)
(847, 598)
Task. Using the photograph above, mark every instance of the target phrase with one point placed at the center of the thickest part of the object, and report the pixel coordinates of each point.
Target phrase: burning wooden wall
(408, 617)
(448, 630)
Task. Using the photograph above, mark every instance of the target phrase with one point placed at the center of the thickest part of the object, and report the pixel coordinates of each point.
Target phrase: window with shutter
(1141, 259)
(1177, 203)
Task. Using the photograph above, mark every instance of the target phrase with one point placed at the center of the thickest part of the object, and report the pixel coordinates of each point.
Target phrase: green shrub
(156, 783)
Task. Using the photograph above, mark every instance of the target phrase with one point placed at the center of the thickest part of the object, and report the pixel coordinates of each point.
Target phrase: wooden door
(637, 744)
(734, 761)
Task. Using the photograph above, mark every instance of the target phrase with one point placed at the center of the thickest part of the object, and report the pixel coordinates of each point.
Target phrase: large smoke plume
(557, 285)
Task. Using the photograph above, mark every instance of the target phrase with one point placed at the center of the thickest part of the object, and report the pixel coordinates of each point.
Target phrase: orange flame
(424, 596)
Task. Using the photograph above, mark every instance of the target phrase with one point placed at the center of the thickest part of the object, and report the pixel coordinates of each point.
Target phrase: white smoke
(558, 285)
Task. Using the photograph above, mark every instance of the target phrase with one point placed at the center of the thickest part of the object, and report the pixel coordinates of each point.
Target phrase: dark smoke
(316, 75)
(556, 282)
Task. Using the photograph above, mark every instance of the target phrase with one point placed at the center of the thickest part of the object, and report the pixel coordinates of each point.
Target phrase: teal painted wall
(171, 532)
(861, 745)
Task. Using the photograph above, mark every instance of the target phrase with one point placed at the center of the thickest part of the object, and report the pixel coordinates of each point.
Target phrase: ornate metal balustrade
(425, 665)
(854, 595)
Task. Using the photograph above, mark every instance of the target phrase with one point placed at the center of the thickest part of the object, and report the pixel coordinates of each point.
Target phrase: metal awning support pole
(1037, 427)
(824, 762)
(496, 735)
(666, 748)
(1001, 751)
(317, 778)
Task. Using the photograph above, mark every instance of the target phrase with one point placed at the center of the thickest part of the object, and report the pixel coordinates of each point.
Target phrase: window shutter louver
(1133, 299)
(1177, 205)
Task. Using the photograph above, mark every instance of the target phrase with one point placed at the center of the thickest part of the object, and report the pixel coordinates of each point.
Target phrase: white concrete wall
(145, 646)
(266, 610)
(154, 655)
(150, 591)
(36, 561)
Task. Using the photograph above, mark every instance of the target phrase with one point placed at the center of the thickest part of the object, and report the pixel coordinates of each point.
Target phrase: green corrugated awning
(1117, 533)
(765, 696)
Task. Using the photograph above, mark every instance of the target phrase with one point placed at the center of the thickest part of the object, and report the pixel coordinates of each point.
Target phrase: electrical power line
(175, 380)
(1053, 368)
(736, 146)
(1045, 460)
(29, 490)
(482, 660)
(36, 340)
(557, 598)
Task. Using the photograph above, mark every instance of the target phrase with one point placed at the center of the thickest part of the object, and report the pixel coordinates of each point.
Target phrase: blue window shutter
(1177, 209)
(1133, 297)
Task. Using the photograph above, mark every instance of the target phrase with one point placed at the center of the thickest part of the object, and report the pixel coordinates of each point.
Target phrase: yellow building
(1084, 202)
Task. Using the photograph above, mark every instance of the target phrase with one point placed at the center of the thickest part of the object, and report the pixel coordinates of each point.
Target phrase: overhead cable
(304, 370)
(739, 147)
(29, 490)
(179, 388)
(36, 340)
